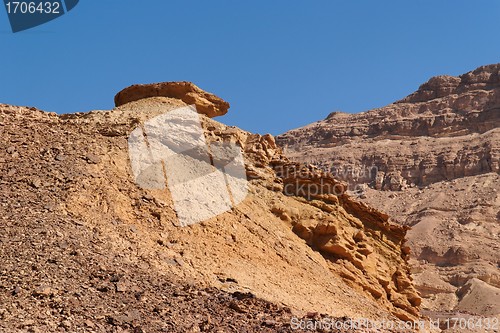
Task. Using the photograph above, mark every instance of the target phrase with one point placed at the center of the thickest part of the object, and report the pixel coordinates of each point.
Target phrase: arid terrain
(431, 161)
(84, 249)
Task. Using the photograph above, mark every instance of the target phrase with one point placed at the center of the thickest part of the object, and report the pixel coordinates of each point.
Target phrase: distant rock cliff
(447, 129)
(431, 161)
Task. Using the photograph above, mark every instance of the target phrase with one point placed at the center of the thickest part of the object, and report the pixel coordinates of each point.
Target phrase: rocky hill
(84, 248)
(432, 162)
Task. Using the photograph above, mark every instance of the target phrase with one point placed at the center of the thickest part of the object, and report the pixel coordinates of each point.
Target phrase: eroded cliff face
(80, 238)
(357, 241)
(432, 162)
(447, 129)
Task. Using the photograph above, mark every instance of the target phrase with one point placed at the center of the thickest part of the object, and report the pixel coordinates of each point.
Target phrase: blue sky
(281, 64)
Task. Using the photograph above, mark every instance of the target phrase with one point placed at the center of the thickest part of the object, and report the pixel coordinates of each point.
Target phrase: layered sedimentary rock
(430, 161)
(447, 129)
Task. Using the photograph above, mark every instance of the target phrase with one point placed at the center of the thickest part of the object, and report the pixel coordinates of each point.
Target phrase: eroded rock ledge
(206, 103)
(361, 244)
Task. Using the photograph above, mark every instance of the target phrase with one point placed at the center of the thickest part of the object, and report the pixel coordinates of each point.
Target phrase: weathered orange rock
(206, 103)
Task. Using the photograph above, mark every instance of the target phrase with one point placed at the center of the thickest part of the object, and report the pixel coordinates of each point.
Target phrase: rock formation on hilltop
(83, 247)
(432, 162)
(206, 103)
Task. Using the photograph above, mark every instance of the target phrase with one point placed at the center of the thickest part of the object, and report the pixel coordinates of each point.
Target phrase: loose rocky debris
(83, 248)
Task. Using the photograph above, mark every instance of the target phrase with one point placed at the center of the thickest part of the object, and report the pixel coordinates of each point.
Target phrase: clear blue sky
(281, 64)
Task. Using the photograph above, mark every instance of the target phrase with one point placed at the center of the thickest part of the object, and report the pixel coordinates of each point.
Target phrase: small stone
(103, 288)
(269, 323)
(29, 322)
(16, 291)
(133, 316)
(60, 157)
(121, 287)
(66, 324)
(92, 159)
(43, 291)
(312, 314)
(115, 278)
(236, 307)
(36, 183)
